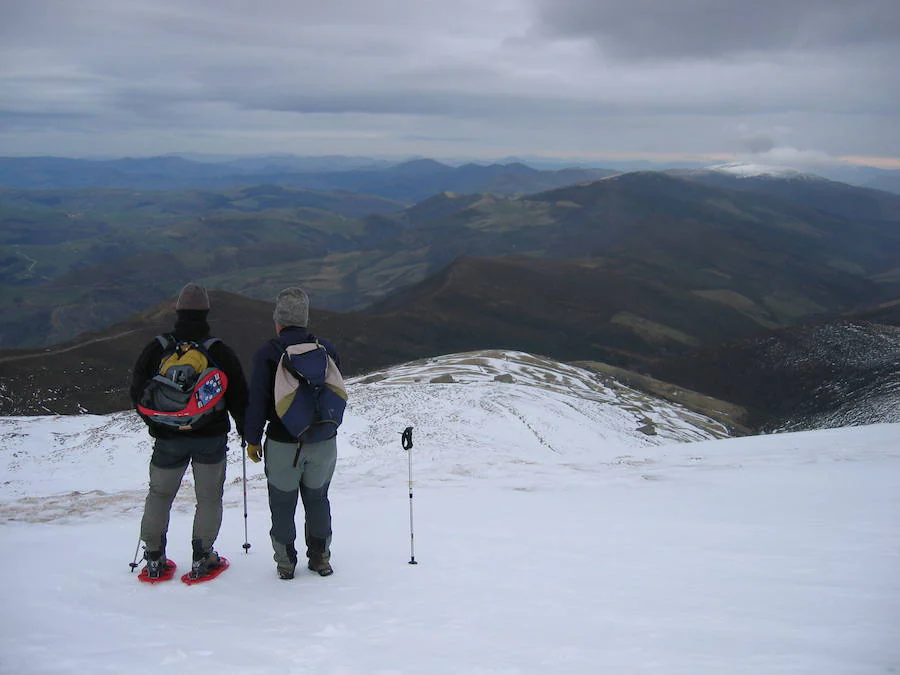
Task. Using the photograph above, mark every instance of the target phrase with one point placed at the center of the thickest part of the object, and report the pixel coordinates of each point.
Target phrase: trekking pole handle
(406, 438)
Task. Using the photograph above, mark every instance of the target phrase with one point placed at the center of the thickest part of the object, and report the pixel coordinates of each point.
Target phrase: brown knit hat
(192, 296)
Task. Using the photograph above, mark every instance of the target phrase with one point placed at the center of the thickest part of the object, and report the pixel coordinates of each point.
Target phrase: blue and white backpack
(310, 396)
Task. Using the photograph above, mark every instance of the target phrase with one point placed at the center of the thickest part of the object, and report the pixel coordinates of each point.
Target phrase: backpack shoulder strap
(282, 351)
(204, 348)
(286, 362)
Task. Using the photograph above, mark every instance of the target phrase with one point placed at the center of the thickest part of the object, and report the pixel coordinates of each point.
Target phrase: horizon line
(880, 162)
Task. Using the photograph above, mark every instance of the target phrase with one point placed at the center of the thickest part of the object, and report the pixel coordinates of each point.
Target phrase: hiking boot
(321, 565)
(319, 555)
(156, 564)
(204, 561)
(205, 564)
(285, 559)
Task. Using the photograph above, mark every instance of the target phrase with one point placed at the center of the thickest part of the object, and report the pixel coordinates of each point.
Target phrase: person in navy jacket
(290, 472)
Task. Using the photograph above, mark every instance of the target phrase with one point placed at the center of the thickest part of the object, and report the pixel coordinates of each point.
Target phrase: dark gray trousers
(171, 457)
(309, 479)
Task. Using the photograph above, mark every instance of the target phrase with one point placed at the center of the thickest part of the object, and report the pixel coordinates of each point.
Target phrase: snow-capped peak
(754, 170)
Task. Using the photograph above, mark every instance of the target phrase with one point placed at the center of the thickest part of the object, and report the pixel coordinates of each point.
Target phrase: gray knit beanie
(292, 307)
(192, 296)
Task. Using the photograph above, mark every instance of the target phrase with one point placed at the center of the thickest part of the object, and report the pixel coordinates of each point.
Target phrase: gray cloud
(758, 143)
(448, 78)
(711, 28)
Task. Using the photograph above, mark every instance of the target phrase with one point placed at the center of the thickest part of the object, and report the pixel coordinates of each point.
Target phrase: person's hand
(254, 452)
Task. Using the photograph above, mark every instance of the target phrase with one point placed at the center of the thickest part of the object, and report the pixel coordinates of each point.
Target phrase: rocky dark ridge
(833, 374)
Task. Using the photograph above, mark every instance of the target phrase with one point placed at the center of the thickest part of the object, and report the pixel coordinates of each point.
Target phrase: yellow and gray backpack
(188, 389)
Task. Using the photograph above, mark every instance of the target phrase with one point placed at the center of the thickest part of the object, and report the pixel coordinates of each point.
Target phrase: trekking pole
(407, 443)
(134, 563)
(244, 464)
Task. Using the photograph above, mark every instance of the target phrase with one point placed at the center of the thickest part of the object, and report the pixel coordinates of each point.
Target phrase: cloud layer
(577, 78)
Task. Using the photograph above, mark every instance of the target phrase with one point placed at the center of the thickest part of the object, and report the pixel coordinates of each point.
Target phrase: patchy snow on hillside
(856, 370)
(551, 535)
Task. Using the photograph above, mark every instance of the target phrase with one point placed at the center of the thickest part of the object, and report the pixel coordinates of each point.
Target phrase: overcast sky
(799, 81)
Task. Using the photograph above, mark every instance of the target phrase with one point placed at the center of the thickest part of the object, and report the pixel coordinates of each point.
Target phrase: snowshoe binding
(158, 568)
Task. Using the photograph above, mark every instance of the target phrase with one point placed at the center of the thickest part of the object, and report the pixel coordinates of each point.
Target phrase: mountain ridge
(92, 373)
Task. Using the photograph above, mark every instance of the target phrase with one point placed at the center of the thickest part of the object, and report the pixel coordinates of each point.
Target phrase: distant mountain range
(408, 182)
(766, 252)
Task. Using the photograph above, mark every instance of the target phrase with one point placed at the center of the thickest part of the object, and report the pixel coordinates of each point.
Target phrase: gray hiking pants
(308, 477)
(168, 464)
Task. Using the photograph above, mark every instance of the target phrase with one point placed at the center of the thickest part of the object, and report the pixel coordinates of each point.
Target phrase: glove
(254, 452)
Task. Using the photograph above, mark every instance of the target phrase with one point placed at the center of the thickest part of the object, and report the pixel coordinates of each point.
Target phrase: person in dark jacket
(204, 448)
(289, 472)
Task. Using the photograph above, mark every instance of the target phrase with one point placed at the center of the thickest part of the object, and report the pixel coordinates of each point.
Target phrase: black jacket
(261, 408)
(192, 325)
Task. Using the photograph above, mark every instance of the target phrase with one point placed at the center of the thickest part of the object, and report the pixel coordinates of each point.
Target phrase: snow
(753, 170)
(551, 536)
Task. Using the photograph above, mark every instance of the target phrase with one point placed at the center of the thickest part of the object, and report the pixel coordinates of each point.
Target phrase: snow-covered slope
(551, 535)
(514, 406)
